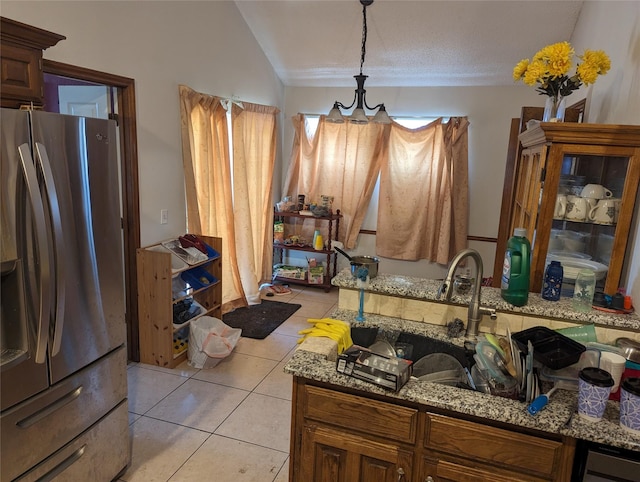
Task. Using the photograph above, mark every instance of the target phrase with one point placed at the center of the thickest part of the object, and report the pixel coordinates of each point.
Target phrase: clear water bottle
(552, 284)
(585, 288)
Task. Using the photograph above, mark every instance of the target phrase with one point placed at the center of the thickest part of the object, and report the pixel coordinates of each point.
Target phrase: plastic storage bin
(550, 348)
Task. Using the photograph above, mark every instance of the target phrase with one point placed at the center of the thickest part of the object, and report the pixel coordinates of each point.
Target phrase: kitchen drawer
(498, 447)
(444, 471)
(360, 414)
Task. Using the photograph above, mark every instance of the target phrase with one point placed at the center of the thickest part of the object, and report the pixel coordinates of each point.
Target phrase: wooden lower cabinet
(346, 437)
(330, 455)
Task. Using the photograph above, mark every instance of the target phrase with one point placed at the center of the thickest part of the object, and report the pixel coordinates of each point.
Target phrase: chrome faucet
(476, 310)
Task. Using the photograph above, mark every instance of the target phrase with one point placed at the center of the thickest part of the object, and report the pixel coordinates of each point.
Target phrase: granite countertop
(427, 290)
(557, 417)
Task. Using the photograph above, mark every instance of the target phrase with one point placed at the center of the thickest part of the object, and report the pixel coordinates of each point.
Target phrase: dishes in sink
(440, 368)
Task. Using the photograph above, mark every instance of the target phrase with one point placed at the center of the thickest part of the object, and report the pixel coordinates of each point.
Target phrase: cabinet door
(335, 456)
(21, 47)
(527, 195)
(21, 75)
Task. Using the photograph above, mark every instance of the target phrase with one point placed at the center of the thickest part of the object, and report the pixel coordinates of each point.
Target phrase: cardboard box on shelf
(278, 232)
(291, 272)
(315, 275)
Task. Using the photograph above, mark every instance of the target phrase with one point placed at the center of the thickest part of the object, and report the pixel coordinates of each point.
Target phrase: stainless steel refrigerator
(63, 383)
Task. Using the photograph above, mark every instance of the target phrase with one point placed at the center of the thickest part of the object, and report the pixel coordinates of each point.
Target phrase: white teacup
(561, 207)
(617, 202)
(591, 203)
(576, 208)
(604, 212)
(595, 191)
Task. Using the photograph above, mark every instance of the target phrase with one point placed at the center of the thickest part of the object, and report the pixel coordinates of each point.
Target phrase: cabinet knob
(428, 479)
(400, 474)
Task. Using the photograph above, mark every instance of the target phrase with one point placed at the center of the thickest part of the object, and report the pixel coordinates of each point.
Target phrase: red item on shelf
(192, 241)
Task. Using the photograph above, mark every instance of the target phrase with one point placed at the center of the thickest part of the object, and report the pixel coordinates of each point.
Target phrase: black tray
(550, 348)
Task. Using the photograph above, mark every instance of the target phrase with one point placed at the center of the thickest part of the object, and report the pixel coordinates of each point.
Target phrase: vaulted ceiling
(409, 42)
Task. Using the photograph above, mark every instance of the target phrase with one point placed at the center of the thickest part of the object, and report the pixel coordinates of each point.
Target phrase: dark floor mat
(258, 321)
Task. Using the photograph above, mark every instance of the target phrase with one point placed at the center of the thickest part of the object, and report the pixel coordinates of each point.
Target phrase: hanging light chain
(364, 36)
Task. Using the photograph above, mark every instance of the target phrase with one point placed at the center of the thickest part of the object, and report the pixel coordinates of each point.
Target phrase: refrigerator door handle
(34, 418)
(31, 181)
(65, 464)
(58, 242)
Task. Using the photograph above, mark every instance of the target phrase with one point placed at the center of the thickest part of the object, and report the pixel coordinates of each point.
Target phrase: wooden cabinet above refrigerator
(21, 47)
(562, 158)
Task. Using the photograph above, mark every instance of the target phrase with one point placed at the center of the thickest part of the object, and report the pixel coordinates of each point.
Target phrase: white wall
(205, 45)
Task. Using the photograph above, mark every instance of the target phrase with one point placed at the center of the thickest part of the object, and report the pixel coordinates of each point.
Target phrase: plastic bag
(210, 340)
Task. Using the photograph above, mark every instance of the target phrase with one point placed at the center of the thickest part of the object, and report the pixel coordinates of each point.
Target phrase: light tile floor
(230, 423)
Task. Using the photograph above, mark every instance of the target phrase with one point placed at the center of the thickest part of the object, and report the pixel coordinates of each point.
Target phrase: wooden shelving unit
(157, 297)
(329, 256)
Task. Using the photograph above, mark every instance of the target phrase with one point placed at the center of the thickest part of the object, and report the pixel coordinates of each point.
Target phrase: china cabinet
(329, 230)
(575, 193)
(21, 47)
(164, 282)
(514, 149)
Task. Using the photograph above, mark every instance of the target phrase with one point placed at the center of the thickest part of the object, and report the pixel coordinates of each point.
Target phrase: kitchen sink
(364, 336)
(423, 345)
(412, 345)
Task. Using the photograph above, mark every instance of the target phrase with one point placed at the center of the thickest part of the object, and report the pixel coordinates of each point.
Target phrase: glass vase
(554, 108)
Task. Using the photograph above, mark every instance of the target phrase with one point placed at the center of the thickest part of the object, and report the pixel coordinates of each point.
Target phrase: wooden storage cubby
(156, 301)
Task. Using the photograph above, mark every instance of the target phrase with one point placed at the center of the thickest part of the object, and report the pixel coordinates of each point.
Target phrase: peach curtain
(340, 160)
(207, 171)
(423, 206)
(254, 154)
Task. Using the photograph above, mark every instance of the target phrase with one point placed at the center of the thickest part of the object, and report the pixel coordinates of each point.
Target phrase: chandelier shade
(358, 116)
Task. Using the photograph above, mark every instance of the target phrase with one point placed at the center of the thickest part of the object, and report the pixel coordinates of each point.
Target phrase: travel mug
(594, 386)
(630, 405)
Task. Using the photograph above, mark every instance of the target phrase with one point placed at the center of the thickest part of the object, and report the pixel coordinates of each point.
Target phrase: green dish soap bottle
(516, 267)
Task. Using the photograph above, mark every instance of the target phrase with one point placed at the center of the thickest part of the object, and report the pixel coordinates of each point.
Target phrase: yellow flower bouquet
(550, 67)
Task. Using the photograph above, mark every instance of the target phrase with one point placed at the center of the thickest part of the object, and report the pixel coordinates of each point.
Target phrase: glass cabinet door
(586, 214)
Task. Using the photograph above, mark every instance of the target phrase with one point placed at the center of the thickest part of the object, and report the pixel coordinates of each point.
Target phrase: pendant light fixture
(358, 115)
